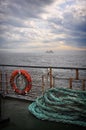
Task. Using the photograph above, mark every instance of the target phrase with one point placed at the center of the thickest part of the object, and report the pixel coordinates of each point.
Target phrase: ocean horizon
(66, 59)
(57, 59)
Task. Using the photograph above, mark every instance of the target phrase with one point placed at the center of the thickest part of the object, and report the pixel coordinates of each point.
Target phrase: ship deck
(21, 119)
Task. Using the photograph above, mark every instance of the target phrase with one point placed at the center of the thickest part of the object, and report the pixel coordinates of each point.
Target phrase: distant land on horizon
(50, 51)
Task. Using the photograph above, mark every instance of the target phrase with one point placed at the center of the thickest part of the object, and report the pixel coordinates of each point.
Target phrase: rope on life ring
(19, 79)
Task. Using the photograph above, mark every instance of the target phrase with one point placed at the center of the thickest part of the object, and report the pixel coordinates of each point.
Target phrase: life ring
(21, 81)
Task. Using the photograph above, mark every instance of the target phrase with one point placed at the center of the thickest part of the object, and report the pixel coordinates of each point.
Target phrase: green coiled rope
(61, 105)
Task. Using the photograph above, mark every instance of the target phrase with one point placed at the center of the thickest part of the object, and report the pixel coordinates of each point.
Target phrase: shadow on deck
(22, 119)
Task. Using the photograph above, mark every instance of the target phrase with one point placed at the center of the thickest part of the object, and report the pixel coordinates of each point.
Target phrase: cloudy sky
(39, 25)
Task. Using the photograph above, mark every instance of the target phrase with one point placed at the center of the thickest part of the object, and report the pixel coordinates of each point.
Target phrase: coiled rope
(61, 105)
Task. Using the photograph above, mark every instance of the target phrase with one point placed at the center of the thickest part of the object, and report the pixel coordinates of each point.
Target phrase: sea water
(56, 59)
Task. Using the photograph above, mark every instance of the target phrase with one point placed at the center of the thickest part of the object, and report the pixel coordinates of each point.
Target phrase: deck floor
(22, 119)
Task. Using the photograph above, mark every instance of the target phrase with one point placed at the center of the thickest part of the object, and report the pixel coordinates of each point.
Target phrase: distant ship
(50, 51)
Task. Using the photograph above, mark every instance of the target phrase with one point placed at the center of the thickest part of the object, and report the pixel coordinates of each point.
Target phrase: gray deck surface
(22, 119)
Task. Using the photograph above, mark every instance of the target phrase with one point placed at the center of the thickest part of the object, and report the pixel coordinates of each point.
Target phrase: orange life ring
(27, 82)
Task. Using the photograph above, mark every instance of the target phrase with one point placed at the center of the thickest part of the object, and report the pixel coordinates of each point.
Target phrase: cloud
(70, 22)
(23, 8)
(29, 24)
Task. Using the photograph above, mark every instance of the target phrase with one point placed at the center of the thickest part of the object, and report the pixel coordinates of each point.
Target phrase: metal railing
(43, 77)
